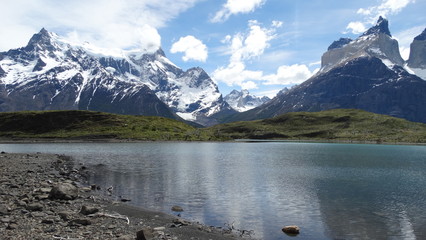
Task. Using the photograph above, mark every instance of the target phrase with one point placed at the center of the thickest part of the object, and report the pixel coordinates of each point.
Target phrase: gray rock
(3, 210)
(81, 221)
(64, 191)
(177, 209)
(47, 221)
(85, 210)
(65, 215)
(12, 226)
(34, 207)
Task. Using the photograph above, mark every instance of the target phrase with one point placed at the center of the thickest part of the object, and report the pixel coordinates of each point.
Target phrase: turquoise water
(332, 191)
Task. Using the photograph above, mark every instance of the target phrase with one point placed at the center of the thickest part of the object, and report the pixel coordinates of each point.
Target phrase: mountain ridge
(49, 68)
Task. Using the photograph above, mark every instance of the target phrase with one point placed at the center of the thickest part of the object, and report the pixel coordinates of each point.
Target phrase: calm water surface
(332, 191)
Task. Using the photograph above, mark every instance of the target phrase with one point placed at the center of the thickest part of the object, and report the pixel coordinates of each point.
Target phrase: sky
(259, 45)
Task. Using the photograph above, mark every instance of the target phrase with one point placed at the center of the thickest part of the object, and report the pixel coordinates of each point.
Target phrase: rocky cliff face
(417, 60)
(49, 73)
(367, 73)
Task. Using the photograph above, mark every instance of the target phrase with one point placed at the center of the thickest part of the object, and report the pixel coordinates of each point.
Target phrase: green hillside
(339, 124)
(91, 125)
(334, 125)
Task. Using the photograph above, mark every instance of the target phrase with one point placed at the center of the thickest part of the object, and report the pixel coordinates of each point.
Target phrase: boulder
(145, 234)
(64, 191)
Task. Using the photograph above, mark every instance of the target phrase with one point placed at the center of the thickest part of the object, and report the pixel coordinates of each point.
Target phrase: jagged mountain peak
(421, 37)
(41, 40)
(382, 26)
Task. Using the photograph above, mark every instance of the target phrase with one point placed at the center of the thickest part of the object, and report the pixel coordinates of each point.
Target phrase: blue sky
(260, 45)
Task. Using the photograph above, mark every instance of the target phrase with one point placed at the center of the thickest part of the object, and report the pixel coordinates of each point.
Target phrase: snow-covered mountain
(51, 73)
(242, 100)
(366, 73)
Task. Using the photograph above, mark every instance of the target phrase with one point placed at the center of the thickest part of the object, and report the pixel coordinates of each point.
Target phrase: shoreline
(31, 209)
(116, 140)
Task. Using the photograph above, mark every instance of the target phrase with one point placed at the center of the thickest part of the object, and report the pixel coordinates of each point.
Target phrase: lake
(332, 191)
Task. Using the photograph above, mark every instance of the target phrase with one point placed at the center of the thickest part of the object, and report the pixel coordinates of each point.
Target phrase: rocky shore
(44, 196)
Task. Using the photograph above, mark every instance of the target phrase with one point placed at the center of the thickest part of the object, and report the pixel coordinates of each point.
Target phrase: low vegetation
(332, 125)
(335, 125)
(91, 125)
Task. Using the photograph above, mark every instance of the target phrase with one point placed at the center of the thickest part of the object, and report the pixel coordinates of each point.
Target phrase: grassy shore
(339, 125)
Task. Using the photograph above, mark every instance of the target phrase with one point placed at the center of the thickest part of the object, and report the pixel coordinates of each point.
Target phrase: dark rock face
(339, 43)
(418, 52)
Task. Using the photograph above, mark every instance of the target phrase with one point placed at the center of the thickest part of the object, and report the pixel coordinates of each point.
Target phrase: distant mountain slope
(52, 74)
(242, 100)
(367, 73)
(334, 125)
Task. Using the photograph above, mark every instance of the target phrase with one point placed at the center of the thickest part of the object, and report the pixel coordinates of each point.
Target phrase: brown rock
(293, 229)
(177, 209)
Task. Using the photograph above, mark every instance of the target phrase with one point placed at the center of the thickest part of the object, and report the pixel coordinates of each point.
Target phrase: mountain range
(367, 73)
(53, 74)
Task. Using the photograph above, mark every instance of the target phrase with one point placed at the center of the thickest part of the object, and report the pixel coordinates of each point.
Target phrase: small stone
(3, 210)
(293, 229)
(5, 220)
(81, 221)
(34, 207)
(85, 210)
(126, 237)
(12, 226)
(65, 215)
(47, 221)
(177, 209)
(180, 222)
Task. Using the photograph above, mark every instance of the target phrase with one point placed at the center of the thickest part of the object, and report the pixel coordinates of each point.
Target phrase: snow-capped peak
(242, 100)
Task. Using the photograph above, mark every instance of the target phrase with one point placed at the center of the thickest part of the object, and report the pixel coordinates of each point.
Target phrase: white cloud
(193, 48)
(356, 27)
(287, 75)
(232, 7)
(371, 14)
(244, 47)
(104, 23)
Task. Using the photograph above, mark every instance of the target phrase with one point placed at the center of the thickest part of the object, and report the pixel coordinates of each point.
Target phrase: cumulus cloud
(105, 23)
(372, 13)
(244, 47)
(232, 7)
(193, 49)
(356, 27)
(287, 75)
